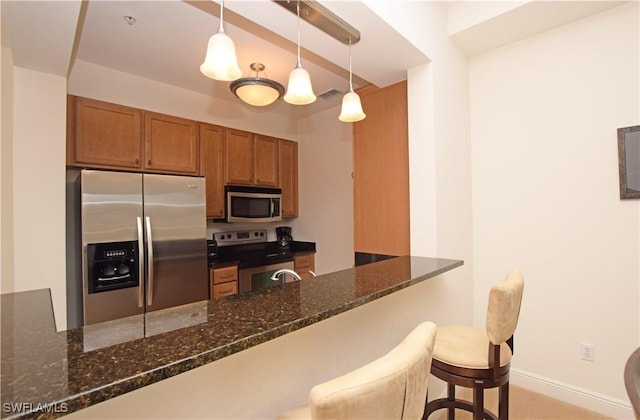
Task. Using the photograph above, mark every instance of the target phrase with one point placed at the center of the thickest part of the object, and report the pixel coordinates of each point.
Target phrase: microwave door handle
(140, 262)
(147, 221)
(273, 206)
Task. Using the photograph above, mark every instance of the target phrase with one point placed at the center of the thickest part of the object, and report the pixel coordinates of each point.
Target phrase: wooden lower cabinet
(303, 263)
(223, 281)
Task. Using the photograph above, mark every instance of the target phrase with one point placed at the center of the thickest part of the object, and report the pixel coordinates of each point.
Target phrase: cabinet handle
(149, 162)
(224, 276)
(137, 161)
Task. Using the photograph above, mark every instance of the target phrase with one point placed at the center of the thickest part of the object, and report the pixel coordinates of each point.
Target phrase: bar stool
(391, 387)
(479, 358)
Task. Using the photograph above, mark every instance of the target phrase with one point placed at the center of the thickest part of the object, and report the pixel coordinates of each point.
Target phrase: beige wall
(39, 132)
(544, 114)
(6, 172)
(325, 189)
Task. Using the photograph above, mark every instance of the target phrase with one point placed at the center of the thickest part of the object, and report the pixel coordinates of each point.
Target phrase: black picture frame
(629, 161)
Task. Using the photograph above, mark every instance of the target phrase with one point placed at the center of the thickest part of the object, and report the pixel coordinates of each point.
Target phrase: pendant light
(299, 90)
(221, 63)
(351, 106)
(257, 91)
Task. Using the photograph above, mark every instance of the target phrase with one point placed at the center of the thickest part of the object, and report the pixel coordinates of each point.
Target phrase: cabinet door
(303, 264)
(105, 135)
(265, 167)
(238, 153)
(171, 144)
(381, 169)
(288, 162)
(211, 166)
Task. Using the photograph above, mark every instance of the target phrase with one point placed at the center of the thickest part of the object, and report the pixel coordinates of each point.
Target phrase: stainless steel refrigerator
(141, 240)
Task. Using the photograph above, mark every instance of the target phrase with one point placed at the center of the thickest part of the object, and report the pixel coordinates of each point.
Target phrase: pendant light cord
(221, 28)
(298, 12)
(350, 72)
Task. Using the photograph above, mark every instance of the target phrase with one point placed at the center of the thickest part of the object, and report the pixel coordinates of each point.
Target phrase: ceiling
(168, 41)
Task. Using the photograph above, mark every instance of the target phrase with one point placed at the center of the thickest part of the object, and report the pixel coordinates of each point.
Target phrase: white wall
(439, 144)
(325, 185)
(544, 114)
(39, 133)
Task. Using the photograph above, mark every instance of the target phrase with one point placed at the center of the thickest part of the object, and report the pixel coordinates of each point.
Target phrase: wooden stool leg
(503, 410)
(478, 403)
(451, 396)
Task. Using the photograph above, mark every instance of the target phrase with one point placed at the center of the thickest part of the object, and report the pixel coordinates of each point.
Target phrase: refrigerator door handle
(147, 221)
(140, 263)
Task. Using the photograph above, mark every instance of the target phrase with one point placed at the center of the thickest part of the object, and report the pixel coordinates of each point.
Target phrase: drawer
(225, 289)
(224, 274)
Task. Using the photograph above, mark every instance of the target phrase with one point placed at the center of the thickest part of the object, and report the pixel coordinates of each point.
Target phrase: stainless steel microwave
(253, 204)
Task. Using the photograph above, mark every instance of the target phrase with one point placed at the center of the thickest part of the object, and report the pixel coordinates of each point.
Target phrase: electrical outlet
(588, 352)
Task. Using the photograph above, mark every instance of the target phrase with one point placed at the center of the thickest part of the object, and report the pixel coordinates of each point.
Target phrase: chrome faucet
(295, 275)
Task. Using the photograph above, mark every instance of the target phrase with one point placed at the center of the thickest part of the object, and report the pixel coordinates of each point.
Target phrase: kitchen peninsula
(47, 374)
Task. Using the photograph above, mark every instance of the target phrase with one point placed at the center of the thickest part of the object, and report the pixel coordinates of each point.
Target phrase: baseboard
(611, 407)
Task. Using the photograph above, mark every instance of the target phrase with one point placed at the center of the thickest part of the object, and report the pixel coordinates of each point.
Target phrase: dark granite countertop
(46, 374)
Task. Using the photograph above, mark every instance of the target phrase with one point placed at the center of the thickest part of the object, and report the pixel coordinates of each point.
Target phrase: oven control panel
(240, 237)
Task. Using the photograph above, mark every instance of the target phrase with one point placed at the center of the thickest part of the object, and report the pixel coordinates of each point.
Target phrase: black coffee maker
(284, 236)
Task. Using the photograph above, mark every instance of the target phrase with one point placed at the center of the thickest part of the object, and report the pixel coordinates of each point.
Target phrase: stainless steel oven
(256, 278)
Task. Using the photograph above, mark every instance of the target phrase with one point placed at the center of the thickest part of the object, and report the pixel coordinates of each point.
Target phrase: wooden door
(102, 134)
(288, 162)
(238, 157)
(381, 172)
(211, 166)
(171, 144)
(265, 166)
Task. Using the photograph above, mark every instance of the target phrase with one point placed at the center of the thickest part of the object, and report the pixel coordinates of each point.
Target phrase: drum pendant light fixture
(220, 62)
(299, 89)
(257, 91)
(351, 106)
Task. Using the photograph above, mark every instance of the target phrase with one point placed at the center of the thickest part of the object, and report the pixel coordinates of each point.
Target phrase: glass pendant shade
(299, 90)
(220, 62)
(351, 108)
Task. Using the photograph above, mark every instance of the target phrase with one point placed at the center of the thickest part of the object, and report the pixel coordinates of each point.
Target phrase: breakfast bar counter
(48, 374)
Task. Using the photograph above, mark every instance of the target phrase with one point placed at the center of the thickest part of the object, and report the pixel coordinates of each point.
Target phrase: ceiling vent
(329, 94)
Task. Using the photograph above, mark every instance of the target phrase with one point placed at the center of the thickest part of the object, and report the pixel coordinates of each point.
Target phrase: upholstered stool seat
(467, 347)
(391, 387)
(479, 358)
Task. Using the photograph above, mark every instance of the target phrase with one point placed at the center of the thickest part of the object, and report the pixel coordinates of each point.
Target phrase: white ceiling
(168, 42)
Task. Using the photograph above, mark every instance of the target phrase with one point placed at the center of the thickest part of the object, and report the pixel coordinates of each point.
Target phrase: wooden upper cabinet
(288, 162)
(265, 166)
(171, 144)
(102, 134)
(211, 166)
(238, 153)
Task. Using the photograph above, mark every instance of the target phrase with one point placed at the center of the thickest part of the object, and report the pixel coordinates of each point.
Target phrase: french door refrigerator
(143, 243)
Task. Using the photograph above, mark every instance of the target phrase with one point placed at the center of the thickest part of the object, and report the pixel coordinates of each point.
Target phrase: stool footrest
(460, 404)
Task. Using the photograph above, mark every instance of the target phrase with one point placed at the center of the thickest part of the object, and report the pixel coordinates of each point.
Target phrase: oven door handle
(140, 262)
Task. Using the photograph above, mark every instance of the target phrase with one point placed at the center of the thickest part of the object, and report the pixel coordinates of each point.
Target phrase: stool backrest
(504, 307)
(391, 387)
